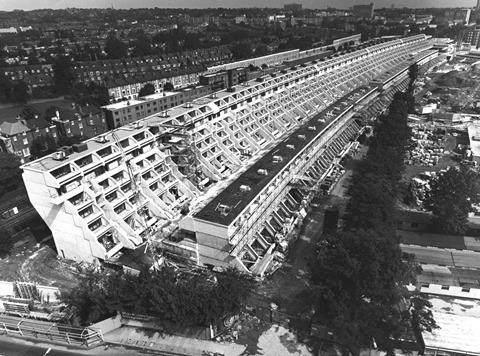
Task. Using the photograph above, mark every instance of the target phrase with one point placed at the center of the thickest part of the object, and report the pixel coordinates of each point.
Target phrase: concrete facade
(233, 170)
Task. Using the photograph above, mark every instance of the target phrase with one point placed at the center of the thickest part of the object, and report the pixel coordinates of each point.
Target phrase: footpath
(145, 339)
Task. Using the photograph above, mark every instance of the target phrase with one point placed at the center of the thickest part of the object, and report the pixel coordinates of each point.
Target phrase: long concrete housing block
(228, 174)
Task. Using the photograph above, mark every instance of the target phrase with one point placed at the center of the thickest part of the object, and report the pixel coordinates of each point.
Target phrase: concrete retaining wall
(109, 324)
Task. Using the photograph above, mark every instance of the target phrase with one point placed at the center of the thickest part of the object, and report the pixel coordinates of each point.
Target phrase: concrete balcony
(90, 213)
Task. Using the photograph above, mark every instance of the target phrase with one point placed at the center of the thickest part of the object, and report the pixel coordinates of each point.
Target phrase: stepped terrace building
(222, 180)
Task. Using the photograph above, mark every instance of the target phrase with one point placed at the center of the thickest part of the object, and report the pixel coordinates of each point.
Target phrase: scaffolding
(184, 151)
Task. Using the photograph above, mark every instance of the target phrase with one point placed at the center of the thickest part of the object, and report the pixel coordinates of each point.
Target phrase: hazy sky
(37, 4)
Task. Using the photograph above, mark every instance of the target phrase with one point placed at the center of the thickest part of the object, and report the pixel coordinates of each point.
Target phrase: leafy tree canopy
(168, 86)
(20, 92)
(359, 274)
(147, 89)
(10, 173)
(63, 72)
(141, 45)
(29, 112)
(451, 198)
(115, 48)
(180, 297)
(42, 146)
(6, 243)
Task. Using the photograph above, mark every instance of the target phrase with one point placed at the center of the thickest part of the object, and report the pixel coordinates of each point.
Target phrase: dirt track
(34, 262)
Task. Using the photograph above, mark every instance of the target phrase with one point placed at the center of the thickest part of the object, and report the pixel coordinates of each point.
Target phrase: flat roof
(144, 99)
(123, 104)
(314, 57)
(432, 240)
(459, 321)
(474, 137)
(399, 68)
(48, 163)
(237, 200)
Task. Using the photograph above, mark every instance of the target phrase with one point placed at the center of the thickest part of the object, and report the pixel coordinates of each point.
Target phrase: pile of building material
(418, 191)
(27, 299)
(428, 147)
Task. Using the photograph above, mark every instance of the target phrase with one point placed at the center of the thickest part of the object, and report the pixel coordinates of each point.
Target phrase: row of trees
(180, 297)
(360, 273)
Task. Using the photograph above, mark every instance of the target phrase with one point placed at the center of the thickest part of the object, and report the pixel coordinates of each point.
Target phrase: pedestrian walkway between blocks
(148, 339)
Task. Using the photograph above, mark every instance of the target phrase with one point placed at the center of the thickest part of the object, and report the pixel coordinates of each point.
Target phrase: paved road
(445, 257)
(11, 348)
(20, 347)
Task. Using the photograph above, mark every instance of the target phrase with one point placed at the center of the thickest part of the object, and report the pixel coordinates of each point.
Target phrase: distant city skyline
(8, 5)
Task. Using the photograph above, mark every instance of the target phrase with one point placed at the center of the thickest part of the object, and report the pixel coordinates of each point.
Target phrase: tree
(147, 89)
(168, 86)
(261, 50)
(91, 94)
(409, 94)
(233, 288)
(29, 112)
(38, 146)
(63, 72)
(5, 87)
(142, 46)
(186, 298)
(413, 73)
(20, 92)
(451, 198)
(371, 203)
(50, 112)
(88, 298)
(51, 144)
(242, 49)
(42, 146)
(359, 274)
(10, 173)
(359, 277)
(422, 316)
(6, 242)
(375, 184)
(115, 48)
(33, 60)
(64, 140)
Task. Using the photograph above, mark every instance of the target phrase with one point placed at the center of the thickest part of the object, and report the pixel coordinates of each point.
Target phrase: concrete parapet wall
(109, 324)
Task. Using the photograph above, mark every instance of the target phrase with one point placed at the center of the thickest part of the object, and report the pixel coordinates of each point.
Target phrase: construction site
(226, 179)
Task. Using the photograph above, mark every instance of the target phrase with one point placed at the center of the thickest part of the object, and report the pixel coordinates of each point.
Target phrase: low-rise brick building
(17, 135)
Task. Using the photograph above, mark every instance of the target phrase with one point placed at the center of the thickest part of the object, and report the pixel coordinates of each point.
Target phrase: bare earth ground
(37, 262)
